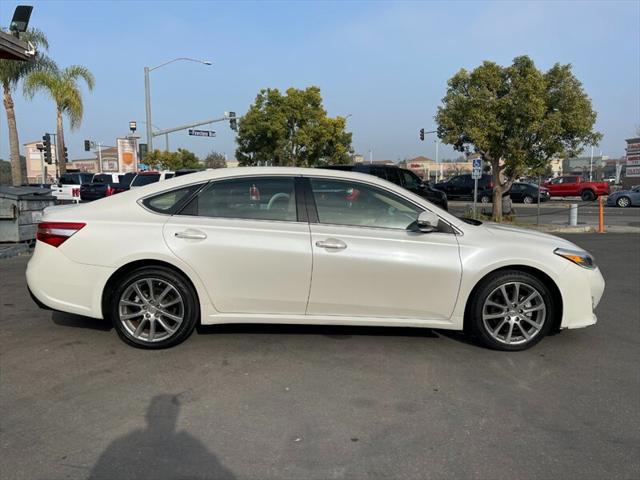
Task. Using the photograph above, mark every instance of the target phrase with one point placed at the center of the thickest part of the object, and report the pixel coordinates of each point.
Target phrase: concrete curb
(13, 250)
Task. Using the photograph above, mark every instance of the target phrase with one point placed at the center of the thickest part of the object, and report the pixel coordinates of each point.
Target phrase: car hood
(517, 234)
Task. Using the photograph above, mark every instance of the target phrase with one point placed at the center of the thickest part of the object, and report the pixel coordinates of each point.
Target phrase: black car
(522, 192)
(461, 186)
(105, 185)
(400, 176)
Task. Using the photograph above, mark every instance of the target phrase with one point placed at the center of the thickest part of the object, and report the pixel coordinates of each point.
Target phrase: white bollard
(573, 214)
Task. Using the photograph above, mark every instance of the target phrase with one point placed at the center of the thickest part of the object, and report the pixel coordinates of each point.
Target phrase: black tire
(475, 325)
(623, 202)
(587, 196)
(189, 305)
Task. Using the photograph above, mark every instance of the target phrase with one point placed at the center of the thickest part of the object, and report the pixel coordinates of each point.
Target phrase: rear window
(102, 178)
(169, 202)
(145, 179)
(168, 175)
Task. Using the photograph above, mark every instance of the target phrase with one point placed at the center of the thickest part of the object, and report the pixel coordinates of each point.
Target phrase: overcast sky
(386, 63)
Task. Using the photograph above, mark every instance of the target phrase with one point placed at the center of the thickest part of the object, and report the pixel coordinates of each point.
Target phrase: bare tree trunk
(497, 191)
(62, 166)
(18, 170)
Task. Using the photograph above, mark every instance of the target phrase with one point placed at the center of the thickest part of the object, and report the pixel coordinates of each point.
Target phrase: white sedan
(292, 245)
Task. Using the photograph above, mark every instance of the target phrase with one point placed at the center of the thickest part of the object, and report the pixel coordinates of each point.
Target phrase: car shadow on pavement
(159, 451)
(78, 321)
(337, 332)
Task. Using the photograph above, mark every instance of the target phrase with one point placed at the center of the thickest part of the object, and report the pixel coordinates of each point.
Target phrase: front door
(367, 263)
(244, 239)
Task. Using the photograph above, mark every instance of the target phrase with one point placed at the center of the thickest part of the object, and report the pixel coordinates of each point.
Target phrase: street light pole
(147, 104)
(147, 95)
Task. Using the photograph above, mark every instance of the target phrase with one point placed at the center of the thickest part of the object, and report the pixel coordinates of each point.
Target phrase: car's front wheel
(623, 202)
(528, 199)
(511, 310)
(154, 307)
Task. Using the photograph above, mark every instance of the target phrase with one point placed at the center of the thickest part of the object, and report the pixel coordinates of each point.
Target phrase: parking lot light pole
(147, 93)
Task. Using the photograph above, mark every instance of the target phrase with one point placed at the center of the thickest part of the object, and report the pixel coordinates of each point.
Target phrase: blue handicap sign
(477, 163)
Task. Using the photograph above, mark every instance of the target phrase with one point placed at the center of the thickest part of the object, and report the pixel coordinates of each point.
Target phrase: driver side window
(344, 202)
(258, 198)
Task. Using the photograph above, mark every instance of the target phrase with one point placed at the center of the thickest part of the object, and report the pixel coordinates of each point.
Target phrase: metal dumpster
(21, 210)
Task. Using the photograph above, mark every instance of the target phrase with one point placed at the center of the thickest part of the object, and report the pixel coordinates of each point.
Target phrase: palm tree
(62, 86)
(11, 72)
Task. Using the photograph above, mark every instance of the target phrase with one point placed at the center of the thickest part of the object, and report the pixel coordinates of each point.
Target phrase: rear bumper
(55, 282)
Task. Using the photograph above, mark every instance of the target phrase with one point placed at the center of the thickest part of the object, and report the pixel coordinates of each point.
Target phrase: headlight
(579, 257)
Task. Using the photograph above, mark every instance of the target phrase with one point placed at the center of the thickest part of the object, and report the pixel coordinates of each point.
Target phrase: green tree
(163, 160)
(517, 118)
(215, 160)
(63, 87)
(11, 72)
(291, 129)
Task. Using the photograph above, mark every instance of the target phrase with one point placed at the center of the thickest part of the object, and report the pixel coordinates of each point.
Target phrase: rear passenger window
(257, 198)
(169, 202)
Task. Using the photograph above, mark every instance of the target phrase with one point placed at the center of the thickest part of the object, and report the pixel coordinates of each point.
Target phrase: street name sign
(202, 133)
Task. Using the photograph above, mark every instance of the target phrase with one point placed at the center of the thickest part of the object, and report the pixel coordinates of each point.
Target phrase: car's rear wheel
(511, 310)
(154, 307)
(623, 202)
(485, 199)
(528, 199)
(587, 196)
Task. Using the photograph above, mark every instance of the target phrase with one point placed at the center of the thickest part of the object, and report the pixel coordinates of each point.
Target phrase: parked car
(68, 186)
(519, 192)
(105, 185)
(150, 176)
(239, 245)
(625, 198)
(400, 176)
(576, 186)
(461, 186)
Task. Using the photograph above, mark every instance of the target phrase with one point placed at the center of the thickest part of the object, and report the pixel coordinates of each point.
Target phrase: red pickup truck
(576, 186)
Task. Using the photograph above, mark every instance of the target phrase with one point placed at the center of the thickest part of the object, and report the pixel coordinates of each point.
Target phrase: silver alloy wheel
(484, 199)
(527, 199)
(624, 202)
(151, 309)
(514, 313)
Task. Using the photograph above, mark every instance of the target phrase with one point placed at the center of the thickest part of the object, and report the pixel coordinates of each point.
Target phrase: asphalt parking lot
(308, 402)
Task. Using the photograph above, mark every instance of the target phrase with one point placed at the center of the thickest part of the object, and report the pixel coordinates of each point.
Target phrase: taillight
(490, 184)
(56, 233)
(110, 190)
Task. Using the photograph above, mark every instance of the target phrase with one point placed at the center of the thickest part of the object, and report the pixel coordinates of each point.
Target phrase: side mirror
(428, 222)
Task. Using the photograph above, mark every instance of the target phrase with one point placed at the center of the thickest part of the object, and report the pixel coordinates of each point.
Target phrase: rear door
(249, 243)
(366, 262)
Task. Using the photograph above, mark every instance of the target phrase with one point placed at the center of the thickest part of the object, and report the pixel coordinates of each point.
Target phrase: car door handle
(331, 244)
(191, 234)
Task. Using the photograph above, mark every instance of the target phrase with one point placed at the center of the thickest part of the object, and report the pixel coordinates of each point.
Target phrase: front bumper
(582, 291)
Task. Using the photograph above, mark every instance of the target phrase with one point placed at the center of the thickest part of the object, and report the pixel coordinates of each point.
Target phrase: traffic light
(66, 156)
(46, 143)
(233, 123)
(422, 134)
(87, 145)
